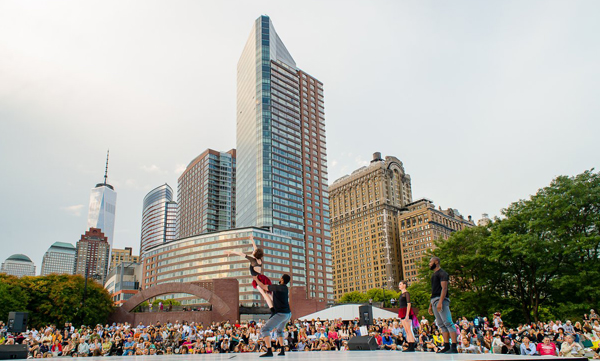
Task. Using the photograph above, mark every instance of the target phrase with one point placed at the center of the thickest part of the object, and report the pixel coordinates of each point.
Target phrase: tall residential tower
(206, 194)
(159, 215)
(282, 163)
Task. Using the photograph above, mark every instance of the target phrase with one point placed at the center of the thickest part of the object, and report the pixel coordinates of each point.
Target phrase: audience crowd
(480, 335)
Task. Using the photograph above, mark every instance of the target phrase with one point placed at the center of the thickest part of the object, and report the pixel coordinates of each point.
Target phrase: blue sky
(483, 101)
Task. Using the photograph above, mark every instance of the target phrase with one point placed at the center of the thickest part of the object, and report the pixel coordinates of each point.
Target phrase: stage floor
(336, 356)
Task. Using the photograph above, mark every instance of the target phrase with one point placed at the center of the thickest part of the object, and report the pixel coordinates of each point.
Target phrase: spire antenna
(106, 169)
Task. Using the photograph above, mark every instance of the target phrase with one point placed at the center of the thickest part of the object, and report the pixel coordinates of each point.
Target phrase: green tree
(353, 297)
(13, 298)
(56, 299)
(540, 259)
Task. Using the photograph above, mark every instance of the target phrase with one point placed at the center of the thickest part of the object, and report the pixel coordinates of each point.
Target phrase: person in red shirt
(547, 348)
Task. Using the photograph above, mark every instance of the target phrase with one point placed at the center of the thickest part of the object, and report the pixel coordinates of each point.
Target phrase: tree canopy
(539, 260)
(54, 299)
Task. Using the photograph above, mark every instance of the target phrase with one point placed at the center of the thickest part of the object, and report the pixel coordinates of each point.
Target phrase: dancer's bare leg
(268, 298)
(408, 328)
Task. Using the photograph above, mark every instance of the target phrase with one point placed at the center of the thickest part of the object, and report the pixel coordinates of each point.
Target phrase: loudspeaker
(362, 343)
(366, 315)
(17, 321)
(13, 352)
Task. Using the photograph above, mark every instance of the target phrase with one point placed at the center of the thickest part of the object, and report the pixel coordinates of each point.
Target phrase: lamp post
(95, 276)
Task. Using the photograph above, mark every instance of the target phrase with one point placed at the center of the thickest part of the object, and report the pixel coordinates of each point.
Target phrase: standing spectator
(160, 306)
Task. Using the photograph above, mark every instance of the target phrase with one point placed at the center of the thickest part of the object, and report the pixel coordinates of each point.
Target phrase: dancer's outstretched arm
(241, 254)
(253, 243)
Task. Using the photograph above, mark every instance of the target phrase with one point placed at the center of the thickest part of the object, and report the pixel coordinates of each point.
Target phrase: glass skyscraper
(59, 259)
(206, 194)
(282, 164)
(159, 215)
(103, 205)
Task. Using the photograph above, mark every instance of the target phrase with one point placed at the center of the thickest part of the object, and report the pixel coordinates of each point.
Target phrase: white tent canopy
(347, 312)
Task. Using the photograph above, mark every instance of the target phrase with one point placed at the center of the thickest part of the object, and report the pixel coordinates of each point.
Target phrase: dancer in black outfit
(407, 315)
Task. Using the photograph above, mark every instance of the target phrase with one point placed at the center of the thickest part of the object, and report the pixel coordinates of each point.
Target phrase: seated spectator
(387, 342)
(129, 347)
(466, 347)
(547, 348)
(570, 348)
(508, 347)
(527, 347)
(83, 349)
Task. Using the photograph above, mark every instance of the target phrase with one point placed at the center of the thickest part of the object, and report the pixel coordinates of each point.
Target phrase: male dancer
(440, 305)
(282, 313)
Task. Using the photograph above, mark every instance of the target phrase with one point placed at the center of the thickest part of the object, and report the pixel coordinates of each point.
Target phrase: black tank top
(253, 263)
(404, 300)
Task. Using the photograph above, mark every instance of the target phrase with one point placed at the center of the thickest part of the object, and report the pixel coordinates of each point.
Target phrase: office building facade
(118, 256)
(206, 193)
(93, 255)
(420, 225)
(18, 265)
(365, 206)
(282, 164)
(202, 258)
(159, 218)
(123, 282)
(59, 259)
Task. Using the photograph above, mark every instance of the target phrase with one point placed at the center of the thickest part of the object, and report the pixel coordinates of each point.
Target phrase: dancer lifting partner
(440, 305)
(282, 314)
(407, 315)
(256, 270)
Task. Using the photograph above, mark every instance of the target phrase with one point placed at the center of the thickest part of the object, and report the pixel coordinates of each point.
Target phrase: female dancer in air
(256, 269)
(407, 315)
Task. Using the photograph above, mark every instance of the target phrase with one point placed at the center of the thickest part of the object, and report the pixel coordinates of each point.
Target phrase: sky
(484, 102)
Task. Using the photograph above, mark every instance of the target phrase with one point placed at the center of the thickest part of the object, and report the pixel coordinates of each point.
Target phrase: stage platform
(337, 356)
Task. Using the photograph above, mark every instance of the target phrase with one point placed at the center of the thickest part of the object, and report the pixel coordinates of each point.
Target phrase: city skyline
(507, 97)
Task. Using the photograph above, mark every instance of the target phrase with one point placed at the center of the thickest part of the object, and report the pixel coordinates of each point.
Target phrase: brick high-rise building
(92, 255)
(206, 194)
(420, 225)
(365, 206)
(282, 164)
(59, 259)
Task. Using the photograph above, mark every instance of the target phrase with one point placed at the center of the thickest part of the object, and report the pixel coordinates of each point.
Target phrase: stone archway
(222, 294)
(177, 287)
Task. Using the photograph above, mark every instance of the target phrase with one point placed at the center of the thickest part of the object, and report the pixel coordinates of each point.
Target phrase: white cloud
(180, 168)
(73, 210)
(360, 162)
(151, 169)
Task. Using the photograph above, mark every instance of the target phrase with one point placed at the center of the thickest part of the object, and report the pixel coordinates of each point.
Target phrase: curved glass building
(159, 216)
(18, 265)
(59, 259)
